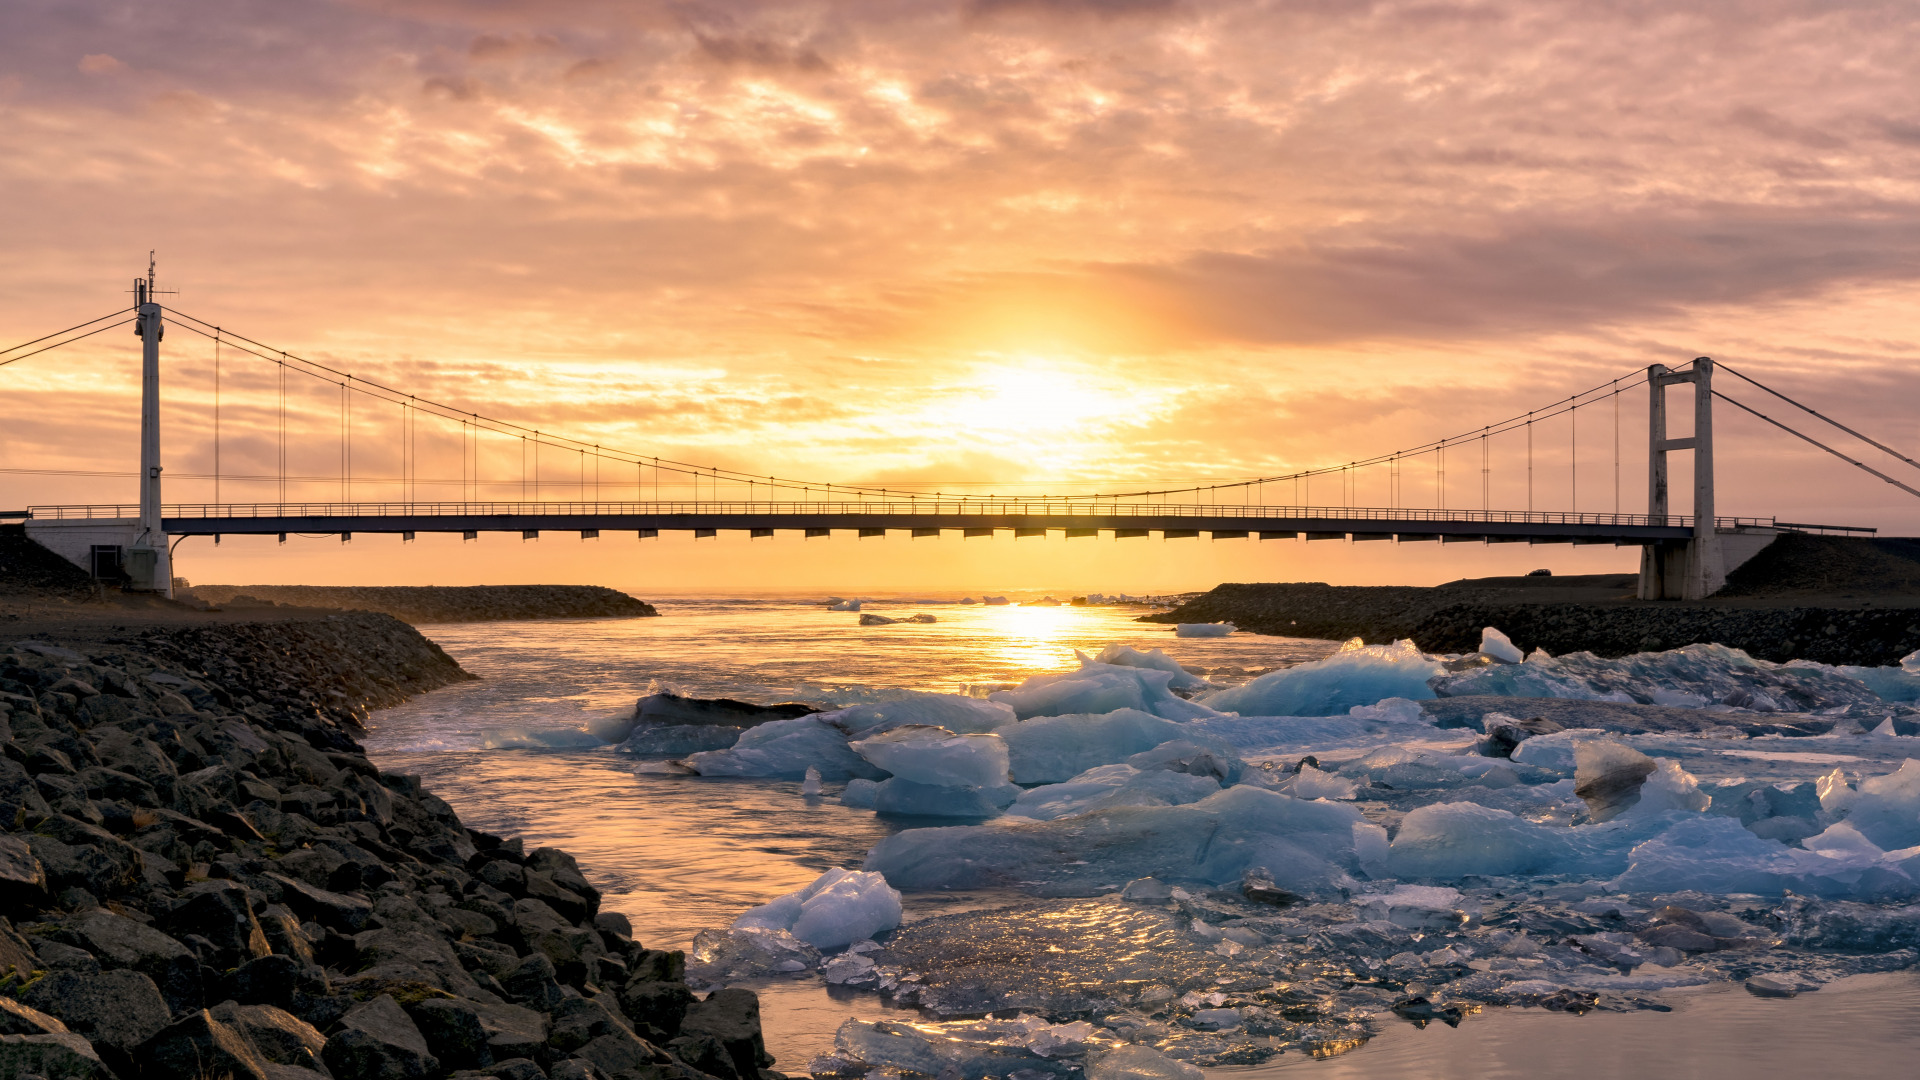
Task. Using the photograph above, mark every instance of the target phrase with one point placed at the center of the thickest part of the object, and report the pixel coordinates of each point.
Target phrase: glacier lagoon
(1317, 882)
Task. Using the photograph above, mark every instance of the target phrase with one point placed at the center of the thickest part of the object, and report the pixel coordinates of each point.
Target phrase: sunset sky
(1066, 245)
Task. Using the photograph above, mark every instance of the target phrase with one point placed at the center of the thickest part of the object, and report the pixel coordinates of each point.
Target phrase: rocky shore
(1836, 600)
(202, 876)
(434, 603)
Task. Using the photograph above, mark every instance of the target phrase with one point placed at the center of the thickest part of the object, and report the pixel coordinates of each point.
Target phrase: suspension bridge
(1684, 555)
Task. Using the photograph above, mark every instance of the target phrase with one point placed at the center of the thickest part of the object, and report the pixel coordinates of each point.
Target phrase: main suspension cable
(1818, 443)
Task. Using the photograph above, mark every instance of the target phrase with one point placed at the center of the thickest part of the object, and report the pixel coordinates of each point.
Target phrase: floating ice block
(839, 908)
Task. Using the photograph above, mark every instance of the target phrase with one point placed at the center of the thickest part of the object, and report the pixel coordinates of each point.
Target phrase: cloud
(100, 64)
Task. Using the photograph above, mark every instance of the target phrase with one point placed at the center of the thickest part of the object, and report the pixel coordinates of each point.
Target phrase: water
(678, 854)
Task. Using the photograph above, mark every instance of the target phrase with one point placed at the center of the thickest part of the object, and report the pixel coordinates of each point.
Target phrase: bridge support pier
(1694, 569)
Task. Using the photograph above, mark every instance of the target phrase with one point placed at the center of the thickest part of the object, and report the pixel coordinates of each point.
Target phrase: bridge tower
(1692, 569)
(148, 562)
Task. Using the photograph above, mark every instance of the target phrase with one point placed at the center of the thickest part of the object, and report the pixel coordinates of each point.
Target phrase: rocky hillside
(201, 875)
(436, 603)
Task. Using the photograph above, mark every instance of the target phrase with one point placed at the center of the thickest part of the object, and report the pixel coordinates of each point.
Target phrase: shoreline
(201, 868)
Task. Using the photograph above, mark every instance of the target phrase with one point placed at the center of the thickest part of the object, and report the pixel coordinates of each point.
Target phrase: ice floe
(837, 909)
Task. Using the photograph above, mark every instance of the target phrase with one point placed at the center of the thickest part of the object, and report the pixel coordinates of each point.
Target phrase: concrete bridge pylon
(1695, 568)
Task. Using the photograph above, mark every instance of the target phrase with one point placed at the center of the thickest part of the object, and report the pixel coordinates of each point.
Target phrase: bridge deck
(1085, 517)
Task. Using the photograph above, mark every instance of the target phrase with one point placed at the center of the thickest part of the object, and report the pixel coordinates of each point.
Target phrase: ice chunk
(935, 756)
(1835, 794)
(1124, 656)
(839, 908)
(859, 793)
(1147, 890)
(845, 605)
(1707, 674)
(542, 738)
(1370, 848)
(1130, 1061)
(1393, 710)
(1886, 809)
(1451, 840)
(1204, 629)
(901, 796)
(890, 1047)
(652, 740)
(784, 749)
(955, 712)
(1307, 846)
(1608, 776)
(1100, 688)
(1050, 749)
(1311, 783)
(1497, 645)
(1554, 751)
(1715, 854)
(1195, 757)
(1670, 787)
(1358, 674)
(1422, 897)
(811, 785)
(749, 952)
(870, 619)
(1109, 786)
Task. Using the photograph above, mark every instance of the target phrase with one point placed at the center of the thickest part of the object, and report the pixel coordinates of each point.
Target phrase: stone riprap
(435, 603)
(201, 874)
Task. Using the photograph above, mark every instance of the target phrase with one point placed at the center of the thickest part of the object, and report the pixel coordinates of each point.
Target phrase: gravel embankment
(202, 875)
(1869, 638)
(437, 603)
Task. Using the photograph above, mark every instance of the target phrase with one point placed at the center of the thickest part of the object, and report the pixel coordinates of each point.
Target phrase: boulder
(220, 912)
(454, 1032)
(280, 981)
(56, 1056)
(378, 1041)
(656, 1006)
(733, 1017)
(533, 983)
(278, 1036)
(579, 1021)
(18, 1019)
(513, 1031)
(121, 942)
(23, 880)
(198, 1046)
(338, 911)
(116, 1010)
(707, 1054)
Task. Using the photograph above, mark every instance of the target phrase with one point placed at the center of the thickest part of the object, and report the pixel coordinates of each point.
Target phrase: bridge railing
(904, 508)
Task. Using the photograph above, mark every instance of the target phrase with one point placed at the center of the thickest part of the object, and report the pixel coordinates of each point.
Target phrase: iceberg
(907, 797)
(890, 1048)
(1109, 786)
(859, 794)
(783, 749)
(1692, 676)
(934, 756)
(845, 605)
(1130, 1061)
(1306, 847)
(1204, 629)
(955, 712)
(1448, 841)
(837, 909)
(1357, 674)
(1884, 809)
(1051, 749)
(674, 739)
(1100, 688)
(1498, 646)
(1158, 660)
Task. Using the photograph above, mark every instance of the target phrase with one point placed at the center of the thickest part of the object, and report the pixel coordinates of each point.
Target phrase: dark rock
(281, 981)
(621, 1053)
(706, 1053)
(656, 1007)
(337, 911)
(733, 1017)
(121, 942)
(378, 1041)
(115, 1010)
(515, 1069)
(198, 1046)
(579, 1021)
(533, 984)
(23, 881)
(220, 912)
(60, 1056)
(19, 1019)
(277, 1036)
(665, 708)
(284, 935)
(513, 1031)
(454, 1033)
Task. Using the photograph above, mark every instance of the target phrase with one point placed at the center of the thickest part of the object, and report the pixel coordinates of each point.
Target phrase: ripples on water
(678, 854)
